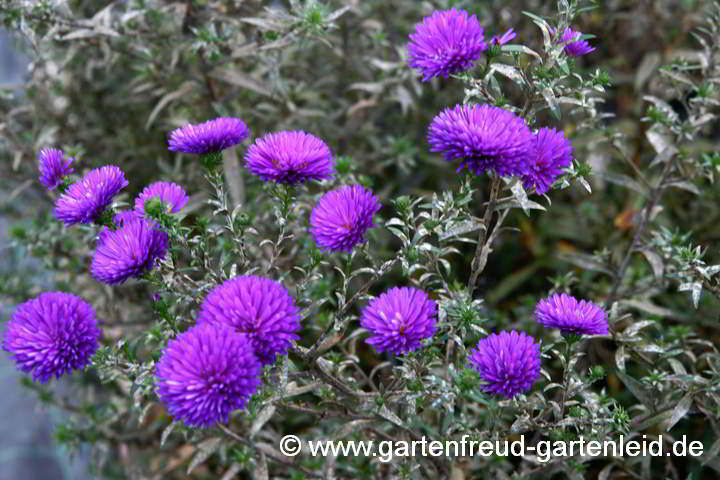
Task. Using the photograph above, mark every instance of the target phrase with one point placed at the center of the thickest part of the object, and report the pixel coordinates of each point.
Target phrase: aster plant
(289, 157)
(571, 316)
(52, 335)
(574, 46)
(508, 362)
(340, 219)
(483, 138)
(172, 196)
(130, 251)
(399, 320)
(446, 42)
(241, 326)
(549, 154)
(88, 198)
(259, 307)
(208, 139)
(206, 373)
(54, 166)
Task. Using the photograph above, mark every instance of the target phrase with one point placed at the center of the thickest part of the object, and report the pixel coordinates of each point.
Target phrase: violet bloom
(88, 198)
(259, 307)
(51, 335)
(120, 218)
(508, 362)
(399, 320)
(577, 47)
(484, 137)
(171, 194)
(550, 152)
(206, 373)
(571, 316)
(504, 38)
(208, 137)
(54, 167)
(341, 217)
(446, 42)
(289, 157)
(129, 251)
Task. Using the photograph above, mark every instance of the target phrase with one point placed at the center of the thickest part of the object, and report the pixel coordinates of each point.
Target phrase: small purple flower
(571, 316)
(86, 199)
(208, 137)
(549, 154)
(484, 137)
(577, 47)
(342, 216)
(52, 334)
(120, 218)
(54, 166)
(206, 373)
(508, 362)
(289, 157)
(129, 251)
(446, 42)
(259, 307)
(171, 194)
(504, 38)
(399, 320)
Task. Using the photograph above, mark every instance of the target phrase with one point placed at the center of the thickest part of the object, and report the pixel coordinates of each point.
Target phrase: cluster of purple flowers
(486, 137)
(451, 41)
(509, 362)
(243, 324)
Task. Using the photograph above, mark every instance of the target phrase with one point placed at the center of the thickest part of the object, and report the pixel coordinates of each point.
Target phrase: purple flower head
(550, 152)
(171, 194)
(571, 316)
(208, 137)
(289, 157)
(258, 307)
(341, 217)
(504, 38)
(508, 362)
(52, 334)
(129, 251)
(206, 373)
(86, 199)
(577, 47)
(446, 42)
(399, 320)
(54, 166)
(484, 137)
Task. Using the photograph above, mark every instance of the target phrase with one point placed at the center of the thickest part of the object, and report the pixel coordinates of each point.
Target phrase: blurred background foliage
(108, 80)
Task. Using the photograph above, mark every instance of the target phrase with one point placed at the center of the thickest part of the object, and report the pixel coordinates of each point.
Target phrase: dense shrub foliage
(366, 220)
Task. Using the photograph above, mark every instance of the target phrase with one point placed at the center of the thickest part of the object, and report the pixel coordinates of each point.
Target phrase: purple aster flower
(171, 194)
(571, 316)
(259, 307)
(206, 373)
(504, 38)
(341, 217)
(550, 152)
(484, 137)
(54, 166)
(399, 320)
(289, 157)
(129, 251)
(52, 334)
(208, 137)
(86, 199)
(446, 42)
(508, 362)
(577, 47)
